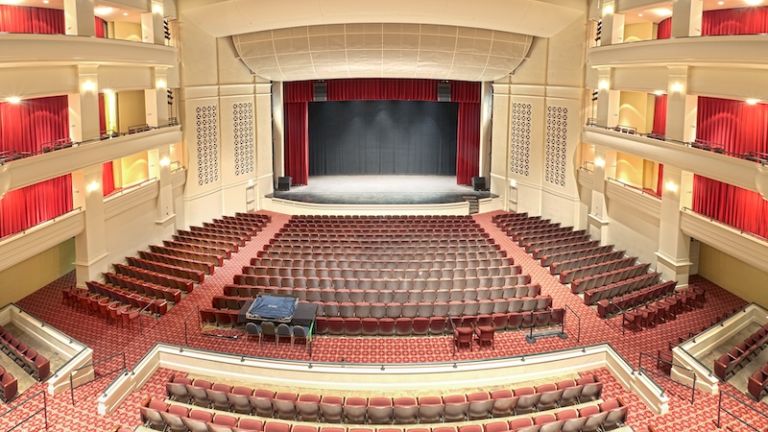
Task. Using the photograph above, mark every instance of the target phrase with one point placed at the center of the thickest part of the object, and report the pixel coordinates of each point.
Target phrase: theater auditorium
(395, 216)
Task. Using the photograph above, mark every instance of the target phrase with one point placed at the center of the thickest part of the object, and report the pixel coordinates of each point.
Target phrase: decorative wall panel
(520, 146)
(242, 131)
(556, 145)
(207, 138)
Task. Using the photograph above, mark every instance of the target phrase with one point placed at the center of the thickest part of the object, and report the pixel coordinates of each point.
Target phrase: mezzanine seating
(741, 354)
(148, 289)
(664, 309)
(128, 298)
(605, 308)
(381, 409)
(619, 288)
(169, 281)
(107, 307)
(757, 383)
(28, 358)
(596, 269)
(601, 279)
(9, 386)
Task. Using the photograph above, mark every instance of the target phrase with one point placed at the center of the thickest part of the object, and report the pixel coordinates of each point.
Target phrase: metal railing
(578, 322)
(42, 410)
(672, 365)
(722, 409)
(92, 364)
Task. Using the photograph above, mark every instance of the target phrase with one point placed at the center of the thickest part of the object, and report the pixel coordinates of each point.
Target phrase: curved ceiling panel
(382, 50)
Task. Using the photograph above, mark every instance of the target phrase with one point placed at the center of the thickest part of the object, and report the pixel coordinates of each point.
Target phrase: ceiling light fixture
(125, 13)
(13, 100)
(599, 162)
(662, 12)
(753, 2)
(603, 85)
(103, 10)
(671, 186)
(752, 101)
(658, 92)
(720, 3)
(676, 87)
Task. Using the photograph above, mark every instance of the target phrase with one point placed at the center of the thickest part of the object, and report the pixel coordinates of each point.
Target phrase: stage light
(13, 100)
(92, 186)
(603, 85)
(658, 92)
(752, 101)
(671, 186)
(88, 86)
(165, 161)
(676, 87)
(599, 162)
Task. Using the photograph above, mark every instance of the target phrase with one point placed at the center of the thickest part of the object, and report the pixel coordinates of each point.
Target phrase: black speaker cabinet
(478, 183)
(284, 183)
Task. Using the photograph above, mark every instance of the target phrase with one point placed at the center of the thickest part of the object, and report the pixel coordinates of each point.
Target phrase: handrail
(43, 409)
(635, 189)
(44, 223)
(715, 221)
(672, 364)
(578, 321)
(141, 313)
(722, 409)
(91, 364)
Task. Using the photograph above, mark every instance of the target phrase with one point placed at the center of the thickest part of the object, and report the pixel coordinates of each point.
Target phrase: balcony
(22, 172)
(39, 238)
(21, 50)
(747, 174)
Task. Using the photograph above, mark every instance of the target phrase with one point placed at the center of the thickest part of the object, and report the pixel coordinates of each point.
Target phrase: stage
(381, 189)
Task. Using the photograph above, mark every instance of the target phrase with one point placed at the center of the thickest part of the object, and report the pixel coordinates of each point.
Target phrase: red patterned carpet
(107, 339)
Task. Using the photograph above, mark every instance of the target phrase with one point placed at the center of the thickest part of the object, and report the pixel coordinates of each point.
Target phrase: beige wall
(639, 32)
(133, 169)
(636, 110)
(126, 31)
(630, 169)
(32, 274)
(130, 109)
(737, 277)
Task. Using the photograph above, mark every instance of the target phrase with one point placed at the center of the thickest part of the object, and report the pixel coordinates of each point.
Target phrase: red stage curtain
(740, 208)
(29, 206)
(100, 28)
(107, 178)
(382, 89)
(23, 19)
(297, 91)
(27, 126)
(297, 142)
(467, 94)
(722, 22)
(660, 115)
(738, 127)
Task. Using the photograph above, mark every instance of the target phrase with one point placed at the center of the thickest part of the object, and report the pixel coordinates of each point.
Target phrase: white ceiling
(382, 50)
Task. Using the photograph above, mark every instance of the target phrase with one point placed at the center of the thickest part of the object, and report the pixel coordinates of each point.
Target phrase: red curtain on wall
(660, 180)
(23, 19)
(467, 95)
(296, 96)
(660, 115)
(382, 89)
(740, 208)
(33, 123)
(722, 22)
(740, 128)
(100, 28)
(107, 178)
(28, 206)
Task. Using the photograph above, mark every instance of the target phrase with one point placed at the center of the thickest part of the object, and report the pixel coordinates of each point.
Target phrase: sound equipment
(319, 91)
(478, 183)
(284, 183)
(444, 91)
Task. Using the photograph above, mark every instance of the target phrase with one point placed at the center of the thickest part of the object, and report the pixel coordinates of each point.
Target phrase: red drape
(296, 96)
(102, 115)
(31, 205)
(467, 95)
(660, 180)
(740, 208)
(23, 19)
(736, 126)
(100, 28)
(739, 21)
(107, 178)
(33, 123)
(660, 115)
(382, 89)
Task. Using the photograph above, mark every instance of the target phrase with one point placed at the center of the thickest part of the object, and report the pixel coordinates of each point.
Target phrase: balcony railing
(757, 157)
(9, 156)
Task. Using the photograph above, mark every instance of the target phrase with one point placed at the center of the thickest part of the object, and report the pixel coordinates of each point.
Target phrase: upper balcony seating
(236, 240)
(606, 307)
(166, 280)
(602, 279)
(568, 245)
(619, 288)
(381, 409)
(8, 385)
(663, 310)
(741, 354)
(143, 287)
(583, 261)
(128, 298)
(26, 357)
(107, 307)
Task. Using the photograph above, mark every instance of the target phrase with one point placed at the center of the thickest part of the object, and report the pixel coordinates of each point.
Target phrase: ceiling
(382, 50)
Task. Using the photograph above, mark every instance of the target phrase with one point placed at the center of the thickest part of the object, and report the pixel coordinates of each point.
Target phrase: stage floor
(381, 189)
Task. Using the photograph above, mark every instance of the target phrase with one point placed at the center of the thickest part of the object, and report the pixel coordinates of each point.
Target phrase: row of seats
(595, 281)
(575, 251)
(381, 284)
(125, 297)
(436, 228)
(173, 260)
(606, 308)
(383, 264)
(169, 269)
(757, 383)
(402, 257)
(574, 264)
(428, 243)
(550, 249)
(596, 269)
(25, 356)
(619, 288)
(148, 289)
(9, 386)
(241, 236)
(738, 356)
(331, 272)
(154, 277)
(202, 240)
(388, 296)
(393, 237)
(214, 260)
(106, 308)
(199, 248)
(233, 239)
(663, 310)
(311, 407)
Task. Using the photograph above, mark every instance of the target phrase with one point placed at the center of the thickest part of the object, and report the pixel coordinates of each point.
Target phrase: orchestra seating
(380, 409)
(8, 385)
(738, 356)
(664, 309)
(157, 277)
(758, 382)
(28, 358)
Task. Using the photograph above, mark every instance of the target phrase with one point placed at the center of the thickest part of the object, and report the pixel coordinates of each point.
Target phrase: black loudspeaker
(319, 91)
(444, 91)
(478, 183)
(284, 183)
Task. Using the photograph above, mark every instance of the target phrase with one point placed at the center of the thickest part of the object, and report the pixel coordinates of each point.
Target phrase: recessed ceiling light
(103, 10)
(720, 3)
(753, 2)
(46, 1)
(13, 99)
(752, 101)
(662, 12)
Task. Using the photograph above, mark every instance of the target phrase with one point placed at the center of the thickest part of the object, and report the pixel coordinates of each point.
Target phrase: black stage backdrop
(382, 137)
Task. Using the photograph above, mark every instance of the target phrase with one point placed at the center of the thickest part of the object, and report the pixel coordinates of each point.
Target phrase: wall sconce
(513, 183)
(92, 186)
(161, 84)
(13, 100)
(603, 85)
(671, 186)
(608, 9)
(88, 86)
(250, 182)
(599, 162)
(157, 8)
(165, 161)
(676, 87)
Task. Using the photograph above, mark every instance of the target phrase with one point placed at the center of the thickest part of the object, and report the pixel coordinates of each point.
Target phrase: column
(608, 101)
(486, 112)
(152, 30)
(156, 99)
(278, 129)
(673, 257)
(686, 18)
(681, 107)
(159, 164)
(613, 25)
(84, 106)
(79, 18)
(90, 244)
(597, 219)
